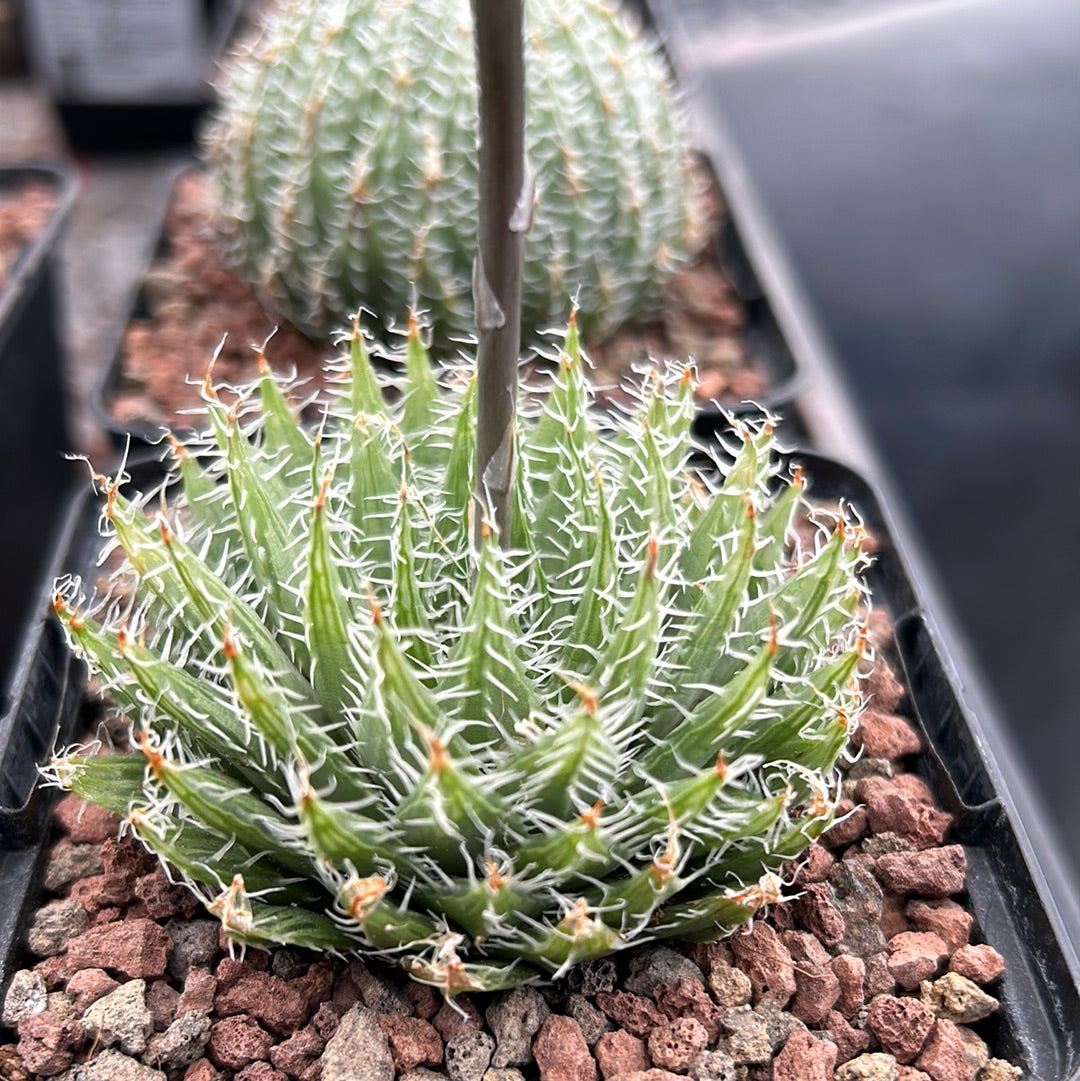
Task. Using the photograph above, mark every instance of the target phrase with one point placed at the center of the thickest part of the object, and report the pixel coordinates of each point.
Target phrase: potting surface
(921, 168)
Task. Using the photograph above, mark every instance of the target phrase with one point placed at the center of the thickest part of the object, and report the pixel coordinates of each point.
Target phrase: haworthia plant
(359, 728)
(344, 158)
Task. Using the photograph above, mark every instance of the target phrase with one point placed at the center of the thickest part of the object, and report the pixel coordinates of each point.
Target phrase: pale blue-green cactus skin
(362, 724)
(344, 160)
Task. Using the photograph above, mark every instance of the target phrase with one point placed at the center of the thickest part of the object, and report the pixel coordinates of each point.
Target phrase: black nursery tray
(33, 427)
(1014, 870)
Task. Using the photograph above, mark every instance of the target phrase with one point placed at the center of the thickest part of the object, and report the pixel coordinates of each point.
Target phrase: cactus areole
(344, 156)
(358, 728)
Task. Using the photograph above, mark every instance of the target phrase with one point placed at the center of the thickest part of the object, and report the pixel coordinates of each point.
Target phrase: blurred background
(919, 162)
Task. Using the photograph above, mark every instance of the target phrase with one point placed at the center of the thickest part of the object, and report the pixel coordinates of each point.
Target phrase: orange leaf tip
(359, 896)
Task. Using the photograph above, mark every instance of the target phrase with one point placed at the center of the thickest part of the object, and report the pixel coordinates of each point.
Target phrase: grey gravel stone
(69, 863)
(195, 943)
(112, 1066)
(779, 1024)
(659, 964)
(870, 767)
(289, 963)
(55, 924)
(873, 1067)
(358, 1050)
(181, 1043)
(596, 977)
(881, 844)
(713, 1066)
(858, 896)
(468, 1054)
(378, 993)
(25, 997)
(592, 1022)
(744, 1036)
(514, 1018)
(121, 1017)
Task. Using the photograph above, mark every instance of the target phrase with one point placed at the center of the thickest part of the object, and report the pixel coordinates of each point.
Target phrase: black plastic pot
(117, 72)
(33, 415)
(41, 706)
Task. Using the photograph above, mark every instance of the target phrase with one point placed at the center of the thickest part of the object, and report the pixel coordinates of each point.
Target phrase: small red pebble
(980, 964)
(268, 999)
(676, 1044)
(945, 918)
(817, 911)
(200, 987)
(818, 862)
(850, 826)
(935, 872)
(892, 808)
(134, 948)
(561, 1052)
(915, 956)
(766, 961)
(805, 1058)
(849, 1041)
(202, 1070)
(237, 1041)
(88, 985)
(85, 822)
(261, 1071)
(620, 1053)
(635, 1013)
(883, 690)
(413, 1041)
(894, 919)
(452, 1018)
(817, 987)
(885, 735)
(850, 972)
(901, 1025)
(944, 1056)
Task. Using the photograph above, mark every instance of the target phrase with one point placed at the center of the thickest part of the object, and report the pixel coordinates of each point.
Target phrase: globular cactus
(363, 724)
(344, 160)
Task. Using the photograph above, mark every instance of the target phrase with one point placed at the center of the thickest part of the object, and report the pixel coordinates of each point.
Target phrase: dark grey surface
(922, 168)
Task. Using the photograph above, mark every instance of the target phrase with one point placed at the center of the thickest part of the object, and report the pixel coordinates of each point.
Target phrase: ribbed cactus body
(363, 725)
(344, 156)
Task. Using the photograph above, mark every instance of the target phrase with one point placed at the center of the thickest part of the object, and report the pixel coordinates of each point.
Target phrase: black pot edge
(65, 179)
(92, 126)
(137, 437)
(1013, 856)
(1007, 880)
